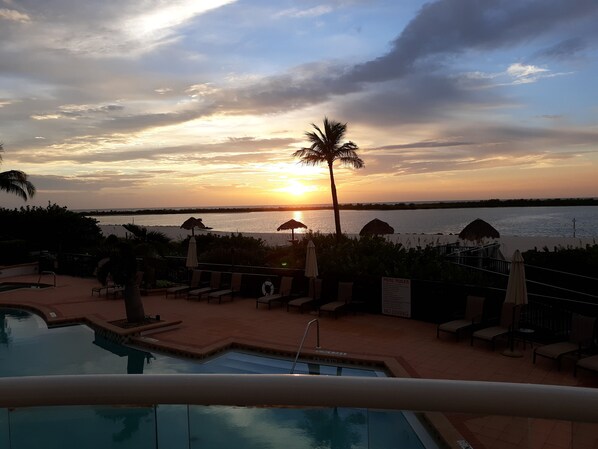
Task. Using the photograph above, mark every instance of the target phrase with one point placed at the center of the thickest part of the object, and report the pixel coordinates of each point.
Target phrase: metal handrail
(489, 398)
(315, 320)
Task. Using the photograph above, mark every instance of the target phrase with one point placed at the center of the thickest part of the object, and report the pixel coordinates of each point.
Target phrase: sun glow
(297, 188)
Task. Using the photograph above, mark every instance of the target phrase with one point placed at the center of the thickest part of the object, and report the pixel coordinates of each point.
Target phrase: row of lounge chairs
(582, 341)
(313, 300)
(213, 290)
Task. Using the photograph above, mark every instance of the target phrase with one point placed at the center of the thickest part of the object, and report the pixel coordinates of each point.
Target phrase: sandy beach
(508, 243)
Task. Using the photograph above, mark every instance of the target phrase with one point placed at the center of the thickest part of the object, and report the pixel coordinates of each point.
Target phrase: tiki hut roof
(291, 224)
(377, 227)
(477, 230)
(192, 223)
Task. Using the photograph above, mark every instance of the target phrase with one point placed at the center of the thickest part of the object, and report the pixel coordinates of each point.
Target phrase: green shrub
(52, 228)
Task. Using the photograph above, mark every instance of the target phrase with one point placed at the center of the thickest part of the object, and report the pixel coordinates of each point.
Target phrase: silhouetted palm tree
(15, 181)
(326, 147)
(122, 267)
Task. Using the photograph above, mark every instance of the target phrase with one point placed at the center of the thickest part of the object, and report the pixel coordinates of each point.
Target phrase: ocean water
(564, 221)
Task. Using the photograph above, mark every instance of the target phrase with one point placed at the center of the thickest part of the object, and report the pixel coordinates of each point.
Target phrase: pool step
(243, 363)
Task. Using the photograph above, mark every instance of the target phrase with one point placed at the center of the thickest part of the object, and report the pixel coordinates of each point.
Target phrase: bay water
(562, 221)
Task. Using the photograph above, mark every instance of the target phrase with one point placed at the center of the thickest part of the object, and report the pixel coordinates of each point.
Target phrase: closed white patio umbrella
(311, 265)
(311, 261)
(191, 261)
(516, 294)
(516, 287)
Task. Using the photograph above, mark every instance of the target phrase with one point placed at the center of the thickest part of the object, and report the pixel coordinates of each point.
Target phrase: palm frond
(16, 182)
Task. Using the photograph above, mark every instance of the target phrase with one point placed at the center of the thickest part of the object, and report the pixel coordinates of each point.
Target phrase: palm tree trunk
(133, 304)
(337, 215)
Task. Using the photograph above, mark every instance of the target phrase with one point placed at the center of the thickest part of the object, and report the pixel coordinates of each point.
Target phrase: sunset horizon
(179, 104)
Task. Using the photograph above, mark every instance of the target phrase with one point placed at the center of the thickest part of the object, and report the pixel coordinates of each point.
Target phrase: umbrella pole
(512, 352)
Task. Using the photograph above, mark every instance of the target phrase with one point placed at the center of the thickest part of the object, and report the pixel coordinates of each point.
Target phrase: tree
(326, 147)
(122, 266)
(16, 182)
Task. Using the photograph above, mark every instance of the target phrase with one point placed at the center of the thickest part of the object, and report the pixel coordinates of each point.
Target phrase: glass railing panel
(4, 429)
(173, 426)
(500, 432)
(390, 428)
(204, 427)
(87, 427)
(263, 428)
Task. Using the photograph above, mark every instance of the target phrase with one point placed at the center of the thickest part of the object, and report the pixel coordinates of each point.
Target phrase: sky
(186, 103)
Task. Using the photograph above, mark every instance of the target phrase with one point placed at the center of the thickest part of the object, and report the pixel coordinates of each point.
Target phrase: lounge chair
(180, 289)
(581, 336)
(509, 319)
(474, 310)
(100, 288)
(235, 287)
(307, 301)
(343, 299)
(588, 363)
(284, 293)
(198, 293)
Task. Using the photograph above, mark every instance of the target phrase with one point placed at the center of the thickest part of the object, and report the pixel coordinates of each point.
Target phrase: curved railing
(494, 398)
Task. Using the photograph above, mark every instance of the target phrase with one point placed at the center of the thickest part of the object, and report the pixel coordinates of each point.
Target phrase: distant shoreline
(493, 203)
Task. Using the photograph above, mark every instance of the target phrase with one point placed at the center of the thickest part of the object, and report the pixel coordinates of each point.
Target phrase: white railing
(494, 398)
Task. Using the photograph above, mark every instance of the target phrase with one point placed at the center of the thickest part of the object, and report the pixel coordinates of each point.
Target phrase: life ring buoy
(268, 288)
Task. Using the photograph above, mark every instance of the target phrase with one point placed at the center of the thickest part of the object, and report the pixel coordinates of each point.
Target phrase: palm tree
(15, 181)
(122, 266)
(326, 147)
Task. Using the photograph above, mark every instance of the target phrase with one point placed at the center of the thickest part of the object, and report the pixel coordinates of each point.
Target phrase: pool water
(29, 348)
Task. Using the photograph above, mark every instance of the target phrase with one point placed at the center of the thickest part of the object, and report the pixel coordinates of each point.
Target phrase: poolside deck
(408, 347)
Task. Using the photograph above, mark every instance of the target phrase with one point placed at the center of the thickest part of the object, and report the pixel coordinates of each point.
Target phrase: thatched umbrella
(192, 223)
(377, 227)
(477, 230)
(292, 225)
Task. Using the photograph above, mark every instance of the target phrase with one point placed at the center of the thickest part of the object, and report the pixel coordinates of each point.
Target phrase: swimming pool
(29, 348)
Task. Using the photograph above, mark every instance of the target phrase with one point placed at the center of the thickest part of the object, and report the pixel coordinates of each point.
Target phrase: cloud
(109, 28)
(74, 111)
(525, 73)
(565, 49)
(446, 28)
(316, 11)
(13, 16)
(94, 150)
(486, 146)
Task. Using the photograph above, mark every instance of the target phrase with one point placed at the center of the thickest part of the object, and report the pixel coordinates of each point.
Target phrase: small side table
(525, 335)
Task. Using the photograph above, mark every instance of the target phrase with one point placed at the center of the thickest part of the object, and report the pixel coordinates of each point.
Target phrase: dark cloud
(449, 27)
(565, 49)
(420, 59)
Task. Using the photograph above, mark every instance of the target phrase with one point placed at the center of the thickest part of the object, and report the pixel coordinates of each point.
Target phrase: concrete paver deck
(408, 347)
